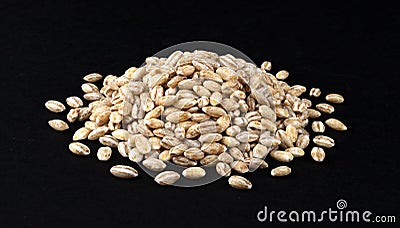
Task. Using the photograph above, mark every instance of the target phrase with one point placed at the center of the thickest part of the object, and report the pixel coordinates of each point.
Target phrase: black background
(46, 48)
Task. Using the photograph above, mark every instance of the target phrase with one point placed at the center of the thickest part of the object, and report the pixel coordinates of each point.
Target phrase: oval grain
(167, 178)
(281, 171)
(79, 148)
(325, 108)
(334, 98)
(58, 125)
(239, 182)
(93, 77)
(97, 133)
(142, 144)
(318, 154)
(123, 171)
(74, 102)
(336, 124)
(318, 126)
(154, 164)
(178, 116)
(81, 134)
(324, 141)
(194, 173)
(281, 156)
(223, 169)
(54, 106)
(240, 167)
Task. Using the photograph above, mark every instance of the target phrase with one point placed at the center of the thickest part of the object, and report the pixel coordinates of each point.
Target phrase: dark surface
(46, 49)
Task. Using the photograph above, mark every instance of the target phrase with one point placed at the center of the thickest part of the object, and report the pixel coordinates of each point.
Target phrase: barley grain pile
(198, 110)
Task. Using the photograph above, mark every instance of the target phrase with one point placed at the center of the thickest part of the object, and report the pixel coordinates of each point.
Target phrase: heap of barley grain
(198, 109)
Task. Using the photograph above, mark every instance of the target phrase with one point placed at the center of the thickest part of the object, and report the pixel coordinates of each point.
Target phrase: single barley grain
(296, 151)
(324, 141)
(315, 92)
(81, 134)
(281, 156)
(97, 133)
(318, 126)
(282, 75)
(74, 102)
(239, 182)
(336, 124)
(326, 108)
(79, 148)
(167, 178)
(223, 169)
(239, 167)
(266, 65)
(194, 172)
(58, 125)
(54, 106)
(154, 164)
(123, 171)
(281, 171)
(313, 114)
(93, 77)
(108, 140)
(123, 149)
(135, 155)
(334, 98)
(104, 153)
(318, 154)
